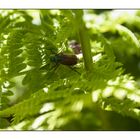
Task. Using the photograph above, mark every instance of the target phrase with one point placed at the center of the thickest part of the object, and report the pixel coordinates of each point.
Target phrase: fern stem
(84, 40)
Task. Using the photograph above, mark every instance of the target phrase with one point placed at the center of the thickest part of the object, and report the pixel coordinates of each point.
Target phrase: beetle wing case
(68, 59)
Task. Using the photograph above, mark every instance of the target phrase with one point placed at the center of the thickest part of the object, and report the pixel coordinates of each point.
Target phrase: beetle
(64, 59)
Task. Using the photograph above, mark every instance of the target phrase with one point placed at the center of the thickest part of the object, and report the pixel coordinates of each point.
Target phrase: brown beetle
(65, 59)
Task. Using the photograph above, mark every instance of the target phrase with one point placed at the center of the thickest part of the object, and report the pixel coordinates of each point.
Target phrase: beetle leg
(74, 70)
(55, 67)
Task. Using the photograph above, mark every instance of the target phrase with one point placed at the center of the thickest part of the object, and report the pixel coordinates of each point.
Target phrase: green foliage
(35, 95)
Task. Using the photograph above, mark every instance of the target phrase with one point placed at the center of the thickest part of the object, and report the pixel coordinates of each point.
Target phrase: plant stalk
(85, 41)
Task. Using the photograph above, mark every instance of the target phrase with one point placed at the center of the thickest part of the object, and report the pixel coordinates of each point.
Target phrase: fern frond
(55, 96)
